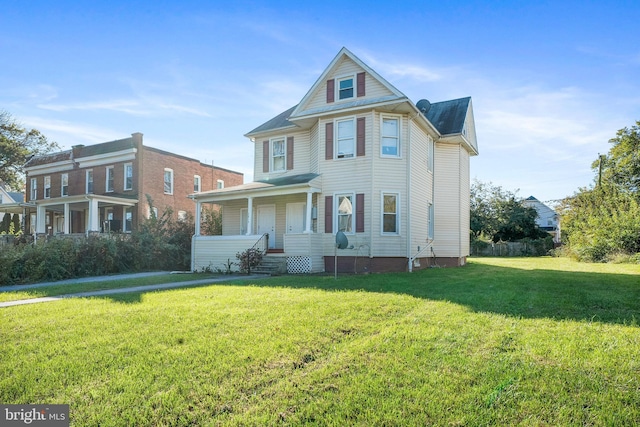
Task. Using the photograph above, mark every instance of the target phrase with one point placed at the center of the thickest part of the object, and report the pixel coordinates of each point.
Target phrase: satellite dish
(424, 106)
(341, 240)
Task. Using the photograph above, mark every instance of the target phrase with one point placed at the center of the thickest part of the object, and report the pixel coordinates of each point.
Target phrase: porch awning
(15, 208)
(84, 198)
(293, 184)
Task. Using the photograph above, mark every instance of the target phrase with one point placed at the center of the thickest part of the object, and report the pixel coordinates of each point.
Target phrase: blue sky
(551, 81)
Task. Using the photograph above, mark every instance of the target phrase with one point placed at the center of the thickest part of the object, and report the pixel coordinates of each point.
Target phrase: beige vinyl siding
(231, 217)
(465, 203)
(308, 245)
(314, 148)
(447, 200)
(373, 88)
(421, 187)
(213, 252)
(301, 155)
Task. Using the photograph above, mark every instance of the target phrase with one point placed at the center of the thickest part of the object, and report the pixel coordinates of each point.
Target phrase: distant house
(547, 218)
(104, 187)
(354, 156)
(11, 202)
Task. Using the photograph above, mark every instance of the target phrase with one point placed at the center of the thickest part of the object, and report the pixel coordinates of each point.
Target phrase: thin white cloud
(68, 134)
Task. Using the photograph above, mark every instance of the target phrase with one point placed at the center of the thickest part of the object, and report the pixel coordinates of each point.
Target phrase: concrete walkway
(145, 288)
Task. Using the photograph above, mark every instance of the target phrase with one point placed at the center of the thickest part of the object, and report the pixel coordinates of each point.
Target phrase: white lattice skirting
(298, 264)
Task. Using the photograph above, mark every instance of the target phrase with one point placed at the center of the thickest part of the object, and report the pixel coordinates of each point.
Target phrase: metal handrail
(265, 238)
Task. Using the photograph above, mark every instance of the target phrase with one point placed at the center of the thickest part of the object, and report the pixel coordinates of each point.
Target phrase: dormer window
(345, 88)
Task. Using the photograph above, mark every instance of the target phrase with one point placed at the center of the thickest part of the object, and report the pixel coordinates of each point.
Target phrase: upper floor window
(168, 181)
(197, 183)
(47, 187)
(128, 176)
(345, 87)
(109, 186)
(34, 189)
(278, 152)
(390, 213)
(89, 181)
(64, 184)
(390, 144)
(220, 184)
(345, 138)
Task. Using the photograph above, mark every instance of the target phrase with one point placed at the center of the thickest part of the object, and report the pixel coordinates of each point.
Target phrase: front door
(296, 217)
(267, 223)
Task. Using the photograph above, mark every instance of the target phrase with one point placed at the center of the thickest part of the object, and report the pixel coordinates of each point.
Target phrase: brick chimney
(137, 138)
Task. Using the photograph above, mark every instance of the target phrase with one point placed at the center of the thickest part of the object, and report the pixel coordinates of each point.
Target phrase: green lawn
(527, 341)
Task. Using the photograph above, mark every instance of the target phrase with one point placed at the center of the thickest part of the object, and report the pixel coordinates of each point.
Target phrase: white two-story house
(357, 156)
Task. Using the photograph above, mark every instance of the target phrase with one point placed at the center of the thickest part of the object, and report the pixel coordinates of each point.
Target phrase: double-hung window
(34, 188)
(278, 154)
(109, 179)
(345, 138)
(390, 213)
(220, 184)
(128, 176)
(89, 180)
(64, 184)
(168, 181)
(390, 143)
(47, 187)
(197, 183)
(344, 213)
(345, 87)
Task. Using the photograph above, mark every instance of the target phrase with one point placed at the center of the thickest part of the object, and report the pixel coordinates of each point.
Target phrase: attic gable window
(345, 88)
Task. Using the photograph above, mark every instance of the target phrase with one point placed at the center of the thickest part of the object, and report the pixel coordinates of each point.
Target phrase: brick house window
(110, 178)
(197, 183)
(89, 181)
(128, 176)
(34, 189)
(47, 187)
(220, 184)
(64, 184)
(168, 181)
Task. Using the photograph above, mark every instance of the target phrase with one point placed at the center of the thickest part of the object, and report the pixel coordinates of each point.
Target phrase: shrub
(249, 259)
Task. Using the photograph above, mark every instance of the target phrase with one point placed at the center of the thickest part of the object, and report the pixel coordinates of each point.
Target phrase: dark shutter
(359, 213)
(328, 139)
(289, 152)
(360, 136)
(265, 156)
(361, 90)
(331, 88)
(328, 214)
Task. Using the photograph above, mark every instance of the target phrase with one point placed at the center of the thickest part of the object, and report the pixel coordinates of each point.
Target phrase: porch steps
(273, 265)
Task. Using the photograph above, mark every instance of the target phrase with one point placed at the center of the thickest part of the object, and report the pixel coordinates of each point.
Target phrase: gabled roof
(17, 197)
(449, 116)
(344, 52)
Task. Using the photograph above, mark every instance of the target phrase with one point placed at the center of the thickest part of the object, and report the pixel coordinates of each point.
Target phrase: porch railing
(261, 245)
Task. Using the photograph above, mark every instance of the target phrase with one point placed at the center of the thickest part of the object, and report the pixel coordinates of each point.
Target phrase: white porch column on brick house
(307, 228)
(93, 216)
(67, 219)
(198, 217)
(249, 216)
(40, 219)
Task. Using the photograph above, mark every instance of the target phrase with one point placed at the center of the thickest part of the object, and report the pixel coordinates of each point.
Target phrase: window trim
(197, 183)
(34, 189)
(64, 187)
(336, 214)
(106, 178)
(382, 213)
(47, 187)
(342, 78)
(164, 181)
(398, 118)
(86, 181)
(272, 151)
(220, 184)
(125, 211)
(336, 139)
(127, 166)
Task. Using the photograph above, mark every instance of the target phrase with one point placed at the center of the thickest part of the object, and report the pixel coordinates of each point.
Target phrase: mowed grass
(529, 341)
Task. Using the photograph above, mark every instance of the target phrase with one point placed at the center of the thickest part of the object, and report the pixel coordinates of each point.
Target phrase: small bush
(249, 259)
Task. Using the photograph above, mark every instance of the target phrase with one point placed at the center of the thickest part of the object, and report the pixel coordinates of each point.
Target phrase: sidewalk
(103, 292)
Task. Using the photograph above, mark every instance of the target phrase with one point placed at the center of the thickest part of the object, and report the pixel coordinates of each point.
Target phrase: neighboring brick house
(104, 187)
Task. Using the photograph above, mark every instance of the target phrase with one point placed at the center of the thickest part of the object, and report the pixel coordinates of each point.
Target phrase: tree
(621, 166)
(5, 224)
(497, 214)
(17, 145)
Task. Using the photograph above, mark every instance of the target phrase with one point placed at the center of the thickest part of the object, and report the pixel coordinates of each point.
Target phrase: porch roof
(15, 208)
(293, 184)
(82, 198)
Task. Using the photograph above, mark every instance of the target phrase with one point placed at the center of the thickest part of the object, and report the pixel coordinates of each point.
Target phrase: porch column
(307, 228)
(67, 219)
(198, 217)
(40, 218)
(93, 216)
(249, 215)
